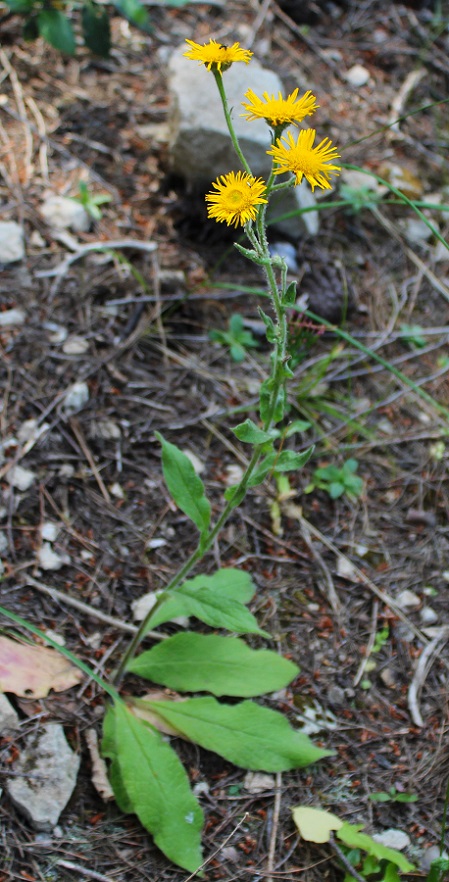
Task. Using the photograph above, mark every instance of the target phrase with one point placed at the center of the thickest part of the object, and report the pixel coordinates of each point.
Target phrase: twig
(76, 429)
(87, 610)
(370, 645)
(217, 851)
(110, 245)
(274, 828)
(83, 871)
(422, 669)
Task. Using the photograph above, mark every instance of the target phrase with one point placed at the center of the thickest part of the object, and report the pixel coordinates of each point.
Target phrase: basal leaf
(149, 772)
(108, 750)
(184, 485)
(351, 836)
(57, 30)
(246, 734)
(283, 461)
(208, 663)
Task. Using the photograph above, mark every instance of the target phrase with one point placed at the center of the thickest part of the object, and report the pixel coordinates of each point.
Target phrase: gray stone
(63, 213)
(76, 396)
(407, 600)
(12, 246)
(11, 318)
(9, 721)
(200, 146)
(45, 776)
(393, 839)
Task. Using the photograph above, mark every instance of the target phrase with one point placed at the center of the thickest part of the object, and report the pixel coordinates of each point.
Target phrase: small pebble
(49, 531)
(12, 246)
(49, 560)
(408, 600)
(393, 839)
(75, 398)
(63, 213)
(428, 615)
(258, 782)
(20, 478)
(12, 318)
(357, 76)
(75, 346)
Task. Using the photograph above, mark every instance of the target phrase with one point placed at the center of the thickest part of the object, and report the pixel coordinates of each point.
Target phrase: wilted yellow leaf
(31, 671)
(315, 825)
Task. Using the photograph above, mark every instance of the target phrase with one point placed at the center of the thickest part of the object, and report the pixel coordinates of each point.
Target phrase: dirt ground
(327, 584)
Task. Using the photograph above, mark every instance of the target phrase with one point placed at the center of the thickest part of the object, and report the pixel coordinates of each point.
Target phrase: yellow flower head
(279, 111)
(215, 56)
(237, 198)
(304, 160)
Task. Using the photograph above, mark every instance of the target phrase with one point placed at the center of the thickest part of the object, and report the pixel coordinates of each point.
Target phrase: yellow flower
(279, 111)
(237, 197)
(216, 56)
(304, 160)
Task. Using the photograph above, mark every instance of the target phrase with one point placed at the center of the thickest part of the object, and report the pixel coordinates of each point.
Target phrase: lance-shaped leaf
(184, 485)
(252, 434)
(283, 461)
(149, 779)
(57, 30)
(216, 600)
(209, 663)
(246, 734)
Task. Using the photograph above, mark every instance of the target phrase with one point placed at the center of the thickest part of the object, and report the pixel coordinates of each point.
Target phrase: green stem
(226, 111)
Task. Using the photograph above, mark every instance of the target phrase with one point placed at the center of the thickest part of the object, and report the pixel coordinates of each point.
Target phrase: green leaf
(208, 606)
(57, 30)
(285, 461)
(97, 34)
(157, 789)
(289, 297)
(20, 6)
(209, 663)
(437, 871)
(184, 485)
(270, 326)
(30, 29)
(297, 426)
(251, 434)
(134, 12)
(381, 796)
(246, 734)
(108, 750)
(351, 836)
(336, 490)
(235, 494)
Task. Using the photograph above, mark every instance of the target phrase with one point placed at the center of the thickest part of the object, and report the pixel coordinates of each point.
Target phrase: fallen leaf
(31, 671)
(315, 825)
(99, 775)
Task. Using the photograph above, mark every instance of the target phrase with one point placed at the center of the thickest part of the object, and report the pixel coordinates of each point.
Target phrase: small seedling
(392, 795)
(236, 338)
(337, 481)
(91, 201)
(413, 335)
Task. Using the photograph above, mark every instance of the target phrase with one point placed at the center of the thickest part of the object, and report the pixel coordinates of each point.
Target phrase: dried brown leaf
(31, 671)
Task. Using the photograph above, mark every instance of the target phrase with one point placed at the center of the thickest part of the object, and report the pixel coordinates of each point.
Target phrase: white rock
(63, 214)
(20, 477)
(49, 559)
(416, 230)
(144, 604)
(117, 491)
(357, 75)
(49, 531)
(393, 839)
(428, 615)
(57, 332)
(75, 346)
(234, 474)
(30, 430)
(108, 430)
(258, 782)
(3, 543)
(200, 146)
(157, 542)
(9, 720)
(44, 777)
(75, 398)
(407, 600)
(12, 317)
(12, 246)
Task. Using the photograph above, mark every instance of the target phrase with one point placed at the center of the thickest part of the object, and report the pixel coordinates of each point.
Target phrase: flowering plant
(145, 772)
